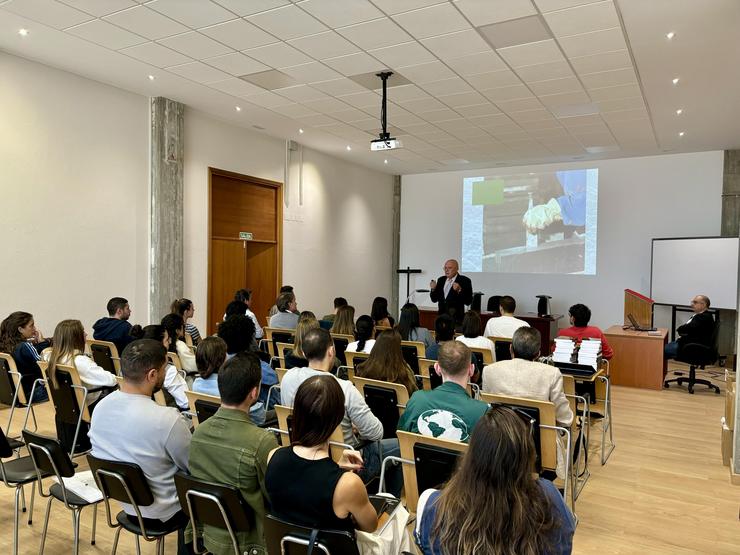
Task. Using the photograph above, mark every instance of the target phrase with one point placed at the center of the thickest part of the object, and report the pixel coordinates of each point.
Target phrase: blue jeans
(373, 455)
(671, 350)
(40, 394)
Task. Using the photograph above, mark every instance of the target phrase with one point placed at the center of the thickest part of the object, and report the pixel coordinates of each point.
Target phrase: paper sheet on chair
(83, 484)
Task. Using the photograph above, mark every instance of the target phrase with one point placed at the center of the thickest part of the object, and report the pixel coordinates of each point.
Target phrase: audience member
(580, 315)
(115, 328)
(186, 309)
(305, 486)
(229, 449)
(471, 328)
(175, 327)
(386, 362)
(492, 503)
(286, 317)
(697, 329)
(274, 308)
(344, 323)
(504, 325)
(379, 312)
(20, 339)
(174, 383)
(209, 357)
(444, 330)
(128, 426)
(295, 357)
(410, 328)
(339, 302)
(364, 336)
(244, 296)
(446, 411)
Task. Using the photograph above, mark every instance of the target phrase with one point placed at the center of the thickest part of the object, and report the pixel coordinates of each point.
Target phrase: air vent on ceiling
(271, 79)
(371, 81)
(515, 32)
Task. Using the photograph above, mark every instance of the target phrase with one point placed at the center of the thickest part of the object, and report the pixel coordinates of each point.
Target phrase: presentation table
(546, 325)
(638, 357)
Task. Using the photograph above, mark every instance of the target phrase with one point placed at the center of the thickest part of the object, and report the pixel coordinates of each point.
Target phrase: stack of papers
(564, 348)
(589, 352)
(83, 484)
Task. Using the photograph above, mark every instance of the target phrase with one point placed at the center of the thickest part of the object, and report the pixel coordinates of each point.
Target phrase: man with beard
(116, 327)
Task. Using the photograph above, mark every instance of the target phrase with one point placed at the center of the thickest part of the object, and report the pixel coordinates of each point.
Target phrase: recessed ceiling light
(238, 108)
(349, 147)
(682, 133)
(670, 35)
(23, 32)
(675, 80)
(300, 131)
(679, 111)
(151, 77)
(385, 161)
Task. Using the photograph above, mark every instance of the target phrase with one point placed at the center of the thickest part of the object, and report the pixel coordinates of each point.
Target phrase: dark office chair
(434, 465)
(494, 305)
(696, 356)
(292, 539)
(340, 345)
(383, 403)
(411, 356)
(103, 356)
(502, 349)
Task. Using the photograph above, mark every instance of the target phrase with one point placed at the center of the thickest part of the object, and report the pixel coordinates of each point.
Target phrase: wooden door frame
(278, 232)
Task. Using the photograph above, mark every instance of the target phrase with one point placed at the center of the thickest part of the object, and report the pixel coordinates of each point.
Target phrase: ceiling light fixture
(385, 161)
(300, 131)
(681, 134)
(23, 32)
(679, 111)
(152, 78)
(670, 35)
(675, 80)
(238, 108)
(349, 147)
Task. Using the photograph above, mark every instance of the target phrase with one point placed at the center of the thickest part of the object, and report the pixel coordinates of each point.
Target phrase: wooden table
(638, 357)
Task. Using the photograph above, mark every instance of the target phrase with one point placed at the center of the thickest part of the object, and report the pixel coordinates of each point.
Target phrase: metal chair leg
(95, 521)
(16, 518)
(23, 500)
(30, 506)
(115, 540)
(46, 525)
(138, 546)
(76, 527)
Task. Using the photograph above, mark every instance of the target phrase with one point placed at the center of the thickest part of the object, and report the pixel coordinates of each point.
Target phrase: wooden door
(239, 203)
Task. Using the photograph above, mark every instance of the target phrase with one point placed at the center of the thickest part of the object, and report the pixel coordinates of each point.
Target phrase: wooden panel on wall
(243, 206)
(228, 273)
(262, 277)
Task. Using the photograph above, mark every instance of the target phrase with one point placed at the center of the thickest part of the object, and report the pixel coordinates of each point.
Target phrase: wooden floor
(663, 491)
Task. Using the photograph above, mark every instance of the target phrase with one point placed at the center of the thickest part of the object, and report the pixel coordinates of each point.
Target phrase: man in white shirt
(505, 325)
(128, 426)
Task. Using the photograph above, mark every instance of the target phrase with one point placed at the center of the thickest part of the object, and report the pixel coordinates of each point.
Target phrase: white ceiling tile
(156, 55)
(288, 22)
(484, 12)
(532, 115)
(236, 64)
(193, 13)
(324, 45)
(99, 8)
(605, 61)
(583, 19)
(199, 72)
(556, 86)
(339, 14)
(423, 130)
(543, 72)
(400, 6)
(249, 7)
(552, 5)
(351, 115)
(609, 78)
(625, 115)
(327, 105)
(431, 21)
(614, 93)
(236, 87)
(301, 93)
(438, 116)
(375, 34)
(619, 104)
(565, 99)
(421, 105)
(453, 85)
(51, 13)
(278, 55)
(454, 124)
(239, 34)
(316, 120)
(462, 99)
(536, 127)
(456, 45)
(507, 93)
(485, 109)
(519, 105)
(295, 111)
(145, 22)
(368, 124)
(595, 42)
(404, 93)
(474, 64)
(493, 79)
(405, 119)
(337, 87)
(105, 34)
(354, 64)
(425, 73)
(408, 53)
(195, 45)
(311, 72)
(268, 100)
(541, 133)
(532, 53)
(580, 121)
(362, 100)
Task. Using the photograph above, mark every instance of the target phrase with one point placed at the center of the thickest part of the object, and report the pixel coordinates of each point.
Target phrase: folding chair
(202, 406)
(13, 393)
(275, 335)
(285, 421)
(292, 539)
(501, 346)
(412, 351)
(340, 345)
(386, 400)
(105, 355)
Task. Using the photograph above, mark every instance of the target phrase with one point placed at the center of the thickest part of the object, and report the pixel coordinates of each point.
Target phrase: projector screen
(682, 268)
(541, 223)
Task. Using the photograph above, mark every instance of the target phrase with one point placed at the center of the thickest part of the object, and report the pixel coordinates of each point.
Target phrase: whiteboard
(685, 267)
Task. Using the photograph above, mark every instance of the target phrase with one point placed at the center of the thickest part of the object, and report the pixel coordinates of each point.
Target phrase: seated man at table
(697, 329)
(580, 315)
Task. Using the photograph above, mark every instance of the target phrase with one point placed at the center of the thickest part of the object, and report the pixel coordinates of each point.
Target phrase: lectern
(641, 308)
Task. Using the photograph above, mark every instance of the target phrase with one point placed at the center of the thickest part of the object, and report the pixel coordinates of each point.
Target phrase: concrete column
(166, 200)
(396, 238)
(731, 228)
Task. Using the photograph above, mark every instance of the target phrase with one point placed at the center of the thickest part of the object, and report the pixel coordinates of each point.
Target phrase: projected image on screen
(531, 223)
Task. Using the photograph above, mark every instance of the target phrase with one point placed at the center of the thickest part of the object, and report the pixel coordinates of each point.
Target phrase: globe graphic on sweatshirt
(443, 424)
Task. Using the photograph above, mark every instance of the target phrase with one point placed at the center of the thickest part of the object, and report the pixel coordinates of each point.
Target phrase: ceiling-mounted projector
(385, 142)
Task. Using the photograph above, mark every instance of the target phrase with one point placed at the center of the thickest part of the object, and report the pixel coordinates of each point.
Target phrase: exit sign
(245, 236)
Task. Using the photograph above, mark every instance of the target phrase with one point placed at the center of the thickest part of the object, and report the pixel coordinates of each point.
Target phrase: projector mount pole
(384, 135)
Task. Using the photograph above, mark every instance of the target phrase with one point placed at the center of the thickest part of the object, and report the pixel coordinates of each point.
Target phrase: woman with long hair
(471, 333)
(209, 357)
(20, 339)
(492, 504)
(386, 362)
(294, 357)
(305, 486)
(175, 327)
(344, 321)
(379, 312)
(364, 335)
(174, 382)
(410, 328)
(186, 309)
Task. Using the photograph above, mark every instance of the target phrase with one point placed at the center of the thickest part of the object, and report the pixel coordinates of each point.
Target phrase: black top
(293, 361)
(699, 329)
(301, 491)
(454, 303)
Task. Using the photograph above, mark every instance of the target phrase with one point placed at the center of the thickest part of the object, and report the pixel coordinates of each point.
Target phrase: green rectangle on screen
(488, 192)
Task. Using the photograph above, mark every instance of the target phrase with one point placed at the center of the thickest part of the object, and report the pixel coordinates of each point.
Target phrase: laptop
(636, 326)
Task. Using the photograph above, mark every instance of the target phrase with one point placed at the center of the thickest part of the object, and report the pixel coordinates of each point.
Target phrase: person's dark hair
(364, 330)
(210, 355)
(286, 289)
(181, 306)
(234, 308)
(454, 358)
(379, 310)
(140, 356)
(284, 300)
(238, 376)
(238, 332)
(344, 321)
(408, 320)
(507, 304)
(386, 362)
(316, 343)
(339, 301)
(114, 304)
(243, 295)
(318, 408)
(471, 324)
(152, 331)
(492, 504)
(10, 337)
(526, 343)
(175, 326)
(581, 315)
(444, 328)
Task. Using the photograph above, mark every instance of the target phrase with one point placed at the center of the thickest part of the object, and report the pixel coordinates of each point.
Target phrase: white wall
(74, 190)
(639, 199)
